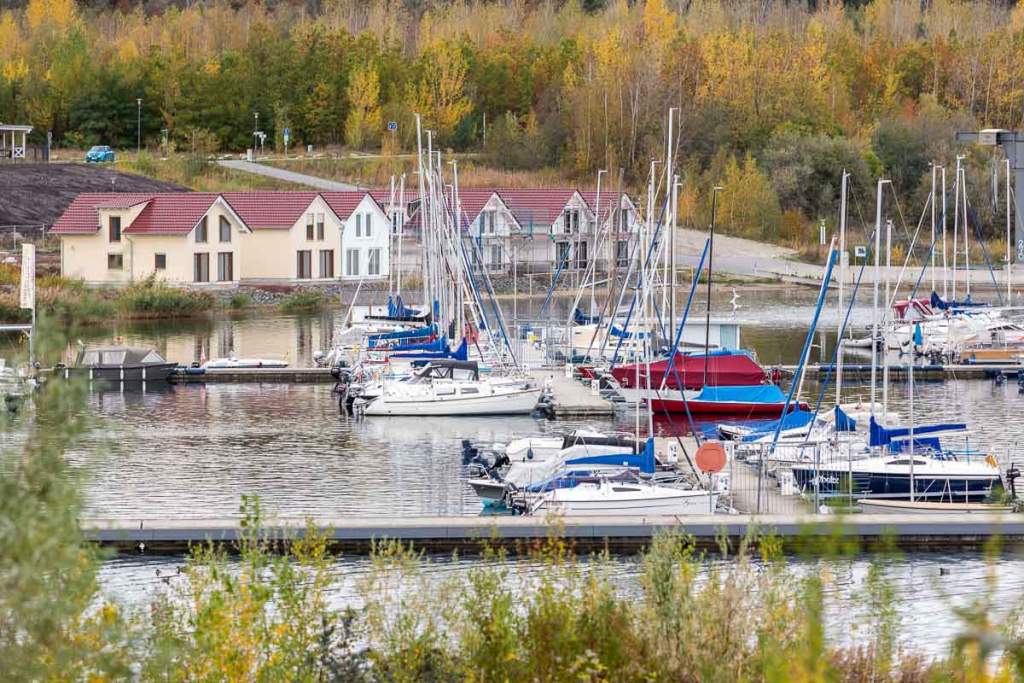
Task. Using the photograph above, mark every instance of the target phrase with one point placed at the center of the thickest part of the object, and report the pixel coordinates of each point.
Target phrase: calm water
(192, 451)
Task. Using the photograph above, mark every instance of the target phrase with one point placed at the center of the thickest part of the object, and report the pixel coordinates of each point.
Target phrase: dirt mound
(32, 195)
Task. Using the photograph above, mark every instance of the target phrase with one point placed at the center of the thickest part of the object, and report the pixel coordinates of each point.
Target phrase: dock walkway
(619, 532)
(571, 398)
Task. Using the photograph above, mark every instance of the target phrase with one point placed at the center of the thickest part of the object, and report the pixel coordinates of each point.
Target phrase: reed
(304, 300)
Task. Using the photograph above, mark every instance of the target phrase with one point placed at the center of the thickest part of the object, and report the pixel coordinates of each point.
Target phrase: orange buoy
(711, 457)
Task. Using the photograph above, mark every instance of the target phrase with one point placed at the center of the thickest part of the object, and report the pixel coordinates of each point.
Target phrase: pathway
(290, 176)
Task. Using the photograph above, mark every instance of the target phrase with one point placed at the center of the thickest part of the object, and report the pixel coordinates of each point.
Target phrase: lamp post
(138, 126)
(255, 131)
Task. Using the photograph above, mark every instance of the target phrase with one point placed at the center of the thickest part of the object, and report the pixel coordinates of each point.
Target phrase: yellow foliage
(364, 119)
(15, 70)
(59, 14)
(439, 95)
(660, 28)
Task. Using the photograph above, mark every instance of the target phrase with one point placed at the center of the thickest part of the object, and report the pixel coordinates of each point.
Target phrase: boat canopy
(398, 309)
(439, 344)
(580, 318)
(118, 356)
(443, 368)
(844, 423)
(461, 353)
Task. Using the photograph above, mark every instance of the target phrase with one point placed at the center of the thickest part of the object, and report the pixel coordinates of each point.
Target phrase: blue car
(99, 153)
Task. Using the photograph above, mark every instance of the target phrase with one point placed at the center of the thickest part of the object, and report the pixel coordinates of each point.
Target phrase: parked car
(100, 153)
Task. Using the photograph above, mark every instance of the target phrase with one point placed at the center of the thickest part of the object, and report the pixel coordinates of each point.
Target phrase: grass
(303, 301)
(240, 300)
(198, 173)
(150, 298)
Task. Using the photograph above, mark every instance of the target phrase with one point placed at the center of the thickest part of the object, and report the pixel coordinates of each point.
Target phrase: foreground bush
(150, 297)
(303, 300)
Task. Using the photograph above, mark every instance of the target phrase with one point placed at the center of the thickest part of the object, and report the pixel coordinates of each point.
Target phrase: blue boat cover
(580, 318)
(941, 304)
(844, 423)
(403, 334)
(792, 420)
(758, 393)
(439, 344)
(880, 436)
(619, 332)
(398, 309)
(461, 353)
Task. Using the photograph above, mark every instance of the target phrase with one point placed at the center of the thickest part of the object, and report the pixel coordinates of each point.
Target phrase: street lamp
(255, 131)
(138, 126)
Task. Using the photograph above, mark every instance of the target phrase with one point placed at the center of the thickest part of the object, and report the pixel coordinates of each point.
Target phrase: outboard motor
(999, 379)
(469, 452)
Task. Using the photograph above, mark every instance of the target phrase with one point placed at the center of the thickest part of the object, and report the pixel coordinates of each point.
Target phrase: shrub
(303, 300)
(150, 297)
(240, 300)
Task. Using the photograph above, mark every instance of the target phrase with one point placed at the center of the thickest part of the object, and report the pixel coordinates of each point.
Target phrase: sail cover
(880, 436)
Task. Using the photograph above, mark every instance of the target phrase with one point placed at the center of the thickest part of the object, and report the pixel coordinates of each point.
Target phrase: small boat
(450, 387)
(233, 362)
(620, 498)
(120, 364)
(924, 507)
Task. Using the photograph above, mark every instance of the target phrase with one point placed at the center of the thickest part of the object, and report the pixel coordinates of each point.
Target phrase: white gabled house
(365, 237)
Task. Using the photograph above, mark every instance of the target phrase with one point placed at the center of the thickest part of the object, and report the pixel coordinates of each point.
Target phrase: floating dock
(252, 375)
(571, 399)
(618, 533)
(862, 371)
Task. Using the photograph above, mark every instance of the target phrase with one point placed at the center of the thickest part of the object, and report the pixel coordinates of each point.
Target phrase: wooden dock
(571, 399)
(586, 533)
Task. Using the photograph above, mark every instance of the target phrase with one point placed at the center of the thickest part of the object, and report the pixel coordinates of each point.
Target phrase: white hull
(905, 507)
(505, 403)
(587, 500)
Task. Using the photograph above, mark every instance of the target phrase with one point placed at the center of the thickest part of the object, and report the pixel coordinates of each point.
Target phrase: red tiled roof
(275, 210)
(81, 216)
(539, 207)
(344, 203)
(609, 201)
(172, 213)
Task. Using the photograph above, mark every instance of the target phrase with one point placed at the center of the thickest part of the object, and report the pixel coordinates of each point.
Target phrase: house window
(201, 268)
(115, 262)
(396, 221)
(368, 225)
(201, 231)
(309, 226)
(487, 222)
(225, 266)
(225, 230)
(571, 221)
(359, 225)
(352, 261)
(374, 266)
(320, 226)
(496, 255)
(623, 220)
(622, 253)
(115, 228)
(326, 263)
(581, 255)
(159, 261)
(562, 251)
(304, 264)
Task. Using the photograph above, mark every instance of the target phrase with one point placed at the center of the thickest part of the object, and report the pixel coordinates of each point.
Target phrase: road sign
(392, 125)
(860, 251)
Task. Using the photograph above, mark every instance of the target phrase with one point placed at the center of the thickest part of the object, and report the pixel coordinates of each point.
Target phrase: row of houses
(232, 237)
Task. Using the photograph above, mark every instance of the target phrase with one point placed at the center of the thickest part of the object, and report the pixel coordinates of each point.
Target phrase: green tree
(363, 126)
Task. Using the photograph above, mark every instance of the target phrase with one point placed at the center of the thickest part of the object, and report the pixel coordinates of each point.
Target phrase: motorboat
(232, 362)
(119, 364)
(450, 387)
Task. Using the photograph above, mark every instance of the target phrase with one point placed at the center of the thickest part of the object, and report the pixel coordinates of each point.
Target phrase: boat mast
(401, 232)
(888, 311)
(842, 282)
(910, 385)
(874, 303)
(711, 255)
(931, 261)
(956, 221)
(945, 271)
(421, 172)
(1009, 239)
(967, 232)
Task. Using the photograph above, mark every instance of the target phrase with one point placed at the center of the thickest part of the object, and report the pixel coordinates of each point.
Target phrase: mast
(842, 282)
(711, 256)
(1009, 239)
(888, 310)
(967, 246)
(392, 235)
(945, 272)
(956, 220)
(874, 303)
(401, 232)
(594, 256)
(931, 262)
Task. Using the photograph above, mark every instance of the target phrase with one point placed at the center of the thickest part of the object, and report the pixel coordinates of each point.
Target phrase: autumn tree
(364, 123)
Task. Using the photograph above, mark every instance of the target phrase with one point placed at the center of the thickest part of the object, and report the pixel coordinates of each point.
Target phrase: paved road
(290, 176)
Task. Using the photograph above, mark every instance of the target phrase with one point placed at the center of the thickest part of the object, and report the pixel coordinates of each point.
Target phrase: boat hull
(506, 403)
(139, 373)
(832, 481)
(691, 503)
(905, 507)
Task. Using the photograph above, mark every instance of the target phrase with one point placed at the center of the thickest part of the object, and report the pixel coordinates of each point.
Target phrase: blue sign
(392, 125)
(287, 132)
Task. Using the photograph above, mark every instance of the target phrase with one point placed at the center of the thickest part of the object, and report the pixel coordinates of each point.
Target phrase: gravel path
(290, 176)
